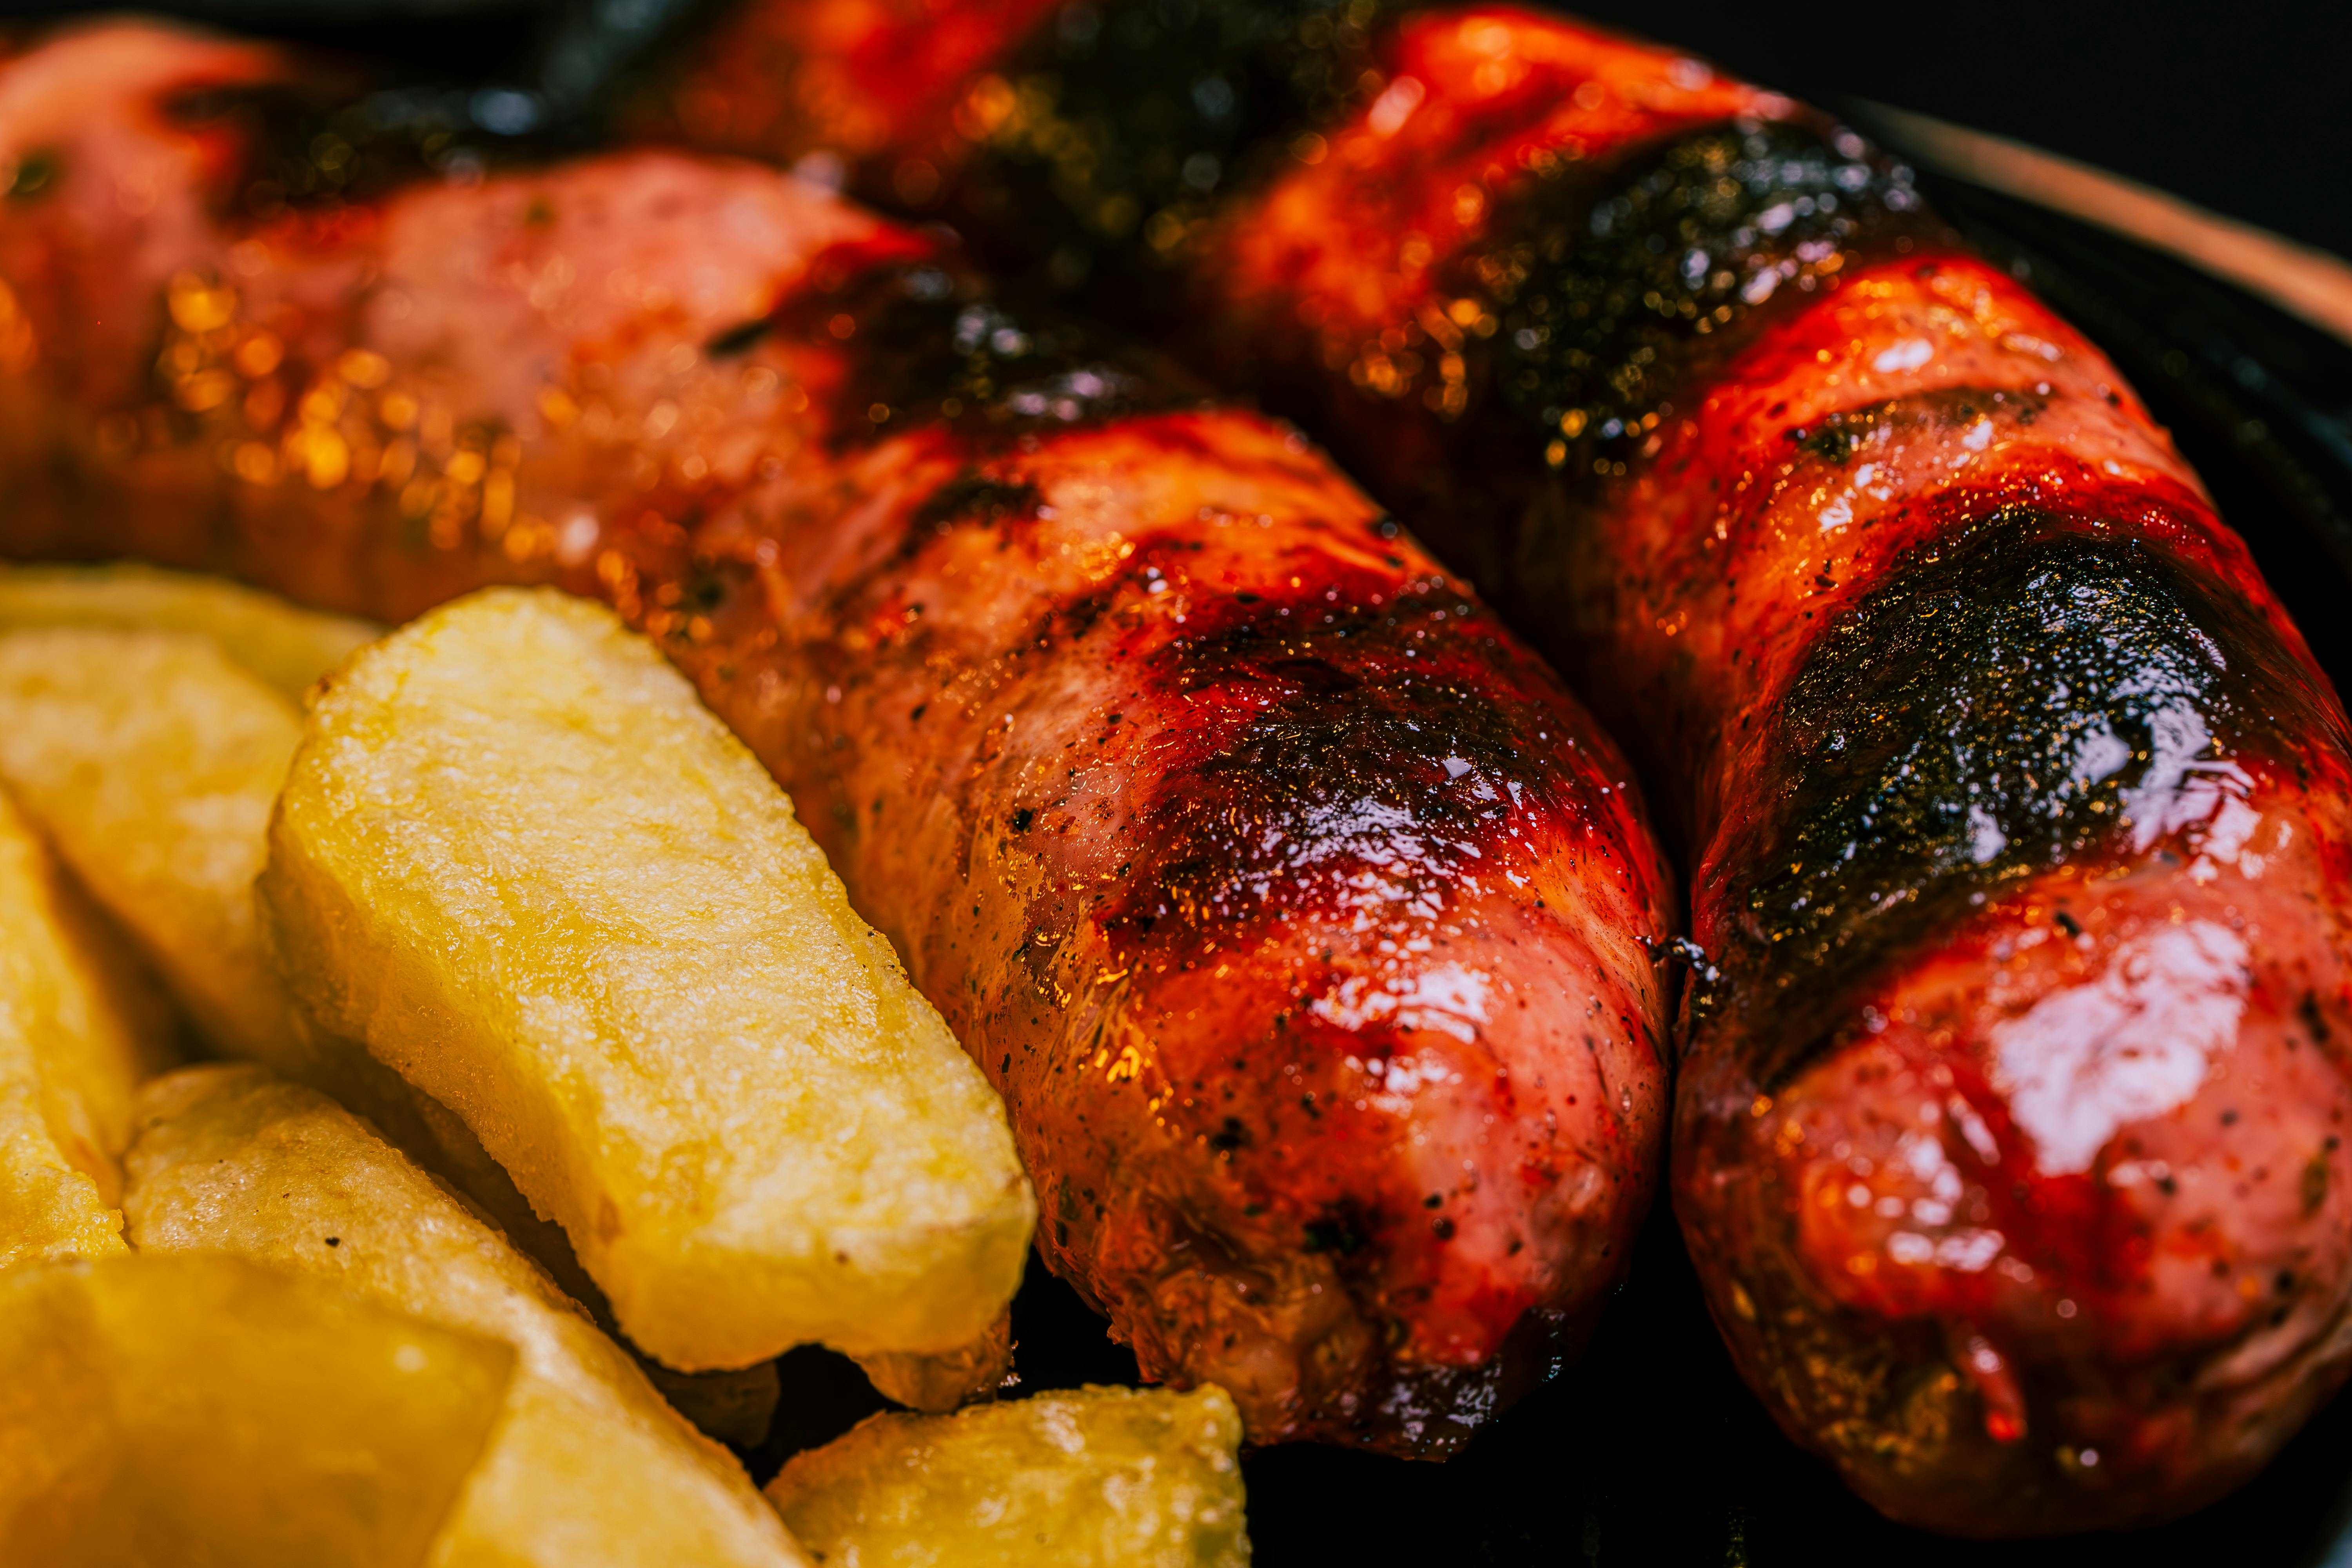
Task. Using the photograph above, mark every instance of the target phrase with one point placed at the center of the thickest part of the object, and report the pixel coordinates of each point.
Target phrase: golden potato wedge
(590, 1467)
(205, 1411)
(1101, 1477)
(80, 1025)
(152, 759)
(520, 860)
(156, 761)
(287, 647)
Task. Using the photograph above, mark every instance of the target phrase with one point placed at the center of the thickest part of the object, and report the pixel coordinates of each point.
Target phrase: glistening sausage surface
(2008, 1133)
(1305, 921)
(2009, 1123)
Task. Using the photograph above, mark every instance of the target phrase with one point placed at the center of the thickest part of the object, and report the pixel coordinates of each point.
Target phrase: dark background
(2243, 107)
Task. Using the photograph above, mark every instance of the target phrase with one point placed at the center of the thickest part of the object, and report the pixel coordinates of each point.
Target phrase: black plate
(1651, 1451)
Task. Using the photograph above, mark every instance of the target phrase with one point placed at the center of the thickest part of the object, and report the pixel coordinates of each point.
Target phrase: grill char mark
(1607, 292)
(935, 348)
(1080, 145)
(1978, 719)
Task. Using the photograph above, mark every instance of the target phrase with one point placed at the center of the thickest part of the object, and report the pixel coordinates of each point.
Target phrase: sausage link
(2008, 1132)
(2009, 1128)
(1306, 921)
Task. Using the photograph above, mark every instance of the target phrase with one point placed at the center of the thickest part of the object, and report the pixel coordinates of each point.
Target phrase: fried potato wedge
(151, 762)
(205, 1411)
(1101, 1477)
(589, 1469)
(287, 647)
(521, 861)
(80, 1025)
(152, 759)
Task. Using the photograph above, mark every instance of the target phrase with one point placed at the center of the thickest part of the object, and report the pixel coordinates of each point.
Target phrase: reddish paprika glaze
(2010, 1124)
(1304, 918)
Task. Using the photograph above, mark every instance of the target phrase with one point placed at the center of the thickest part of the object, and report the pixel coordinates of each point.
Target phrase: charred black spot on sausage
(35, 174)
(2022, 694)
(1338, 1232)
(1609, 298)
(1373, 741)
(926, 346)
(737, 339)
(1138, 117)
(973, 498)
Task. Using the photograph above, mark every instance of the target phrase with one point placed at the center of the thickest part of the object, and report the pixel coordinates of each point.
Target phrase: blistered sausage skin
(2009, 1127)
(1305, 921)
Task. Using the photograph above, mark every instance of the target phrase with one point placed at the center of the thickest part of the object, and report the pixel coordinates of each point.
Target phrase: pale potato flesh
(80, 1025)
(206, 1413)
(520, 860)
(1101, 1477)
(590, 1469)
(287, 647)
(152, 759)
(151, 762)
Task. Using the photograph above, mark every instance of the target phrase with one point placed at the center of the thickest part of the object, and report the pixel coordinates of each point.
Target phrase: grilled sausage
(1307, 923)
(2011, 1114)
(2007, 1130)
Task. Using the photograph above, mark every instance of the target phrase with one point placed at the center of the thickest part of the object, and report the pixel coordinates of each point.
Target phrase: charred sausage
(2008, 1133)
(1307, 923)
